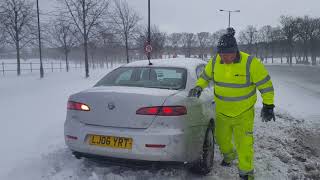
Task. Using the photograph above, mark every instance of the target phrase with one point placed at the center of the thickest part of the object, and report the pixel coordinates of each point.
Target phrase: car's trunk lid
(116, 106)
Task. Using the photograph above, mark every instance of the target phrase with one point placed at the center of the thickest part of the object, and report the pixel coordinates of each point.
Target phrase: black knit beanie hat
(227, 42)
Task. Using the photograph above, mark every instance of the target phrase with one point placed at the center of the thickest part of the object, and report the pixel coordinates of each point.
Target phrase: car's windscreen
(149, 77)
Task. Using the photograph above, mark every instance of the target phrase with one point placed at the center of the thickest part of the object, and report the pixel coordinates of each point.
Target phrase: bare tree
(61, 36)
(275, 37)
(289, 28)
(315, 40)
(249, 37)
(174, 40)
(18, 19)
(204, 42)
(86, 16)
(188, 42)
(158, 40)
(125, 21)
(304, 29)
(308, 33)
(265, 40)
(92, 49)
(2, 36)
(110, 43)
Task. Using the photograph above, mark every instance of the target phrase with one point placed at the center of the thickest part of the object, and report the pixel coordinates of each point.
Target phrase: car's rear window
(150, 77)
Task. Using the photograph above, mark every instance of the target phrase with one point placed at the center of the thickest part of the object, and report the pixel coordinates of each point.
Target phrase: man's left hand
(267, 113)
(195, 92)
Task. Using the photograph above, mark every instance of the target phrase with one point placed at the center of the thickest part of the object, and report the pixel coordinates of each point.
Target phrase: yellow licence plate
(111, 141)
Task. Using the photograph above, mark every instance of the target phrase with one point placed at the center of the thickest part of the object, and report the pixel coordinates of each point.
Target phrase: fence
(30, 67)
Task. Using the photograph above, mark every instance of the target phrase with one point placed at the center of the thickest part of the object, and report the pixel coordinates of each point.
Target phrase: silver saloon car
(142, 112)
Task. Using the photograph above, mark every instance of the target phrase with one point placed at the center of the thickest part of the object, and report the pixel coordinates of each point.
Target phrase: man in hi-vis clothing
(236, 76)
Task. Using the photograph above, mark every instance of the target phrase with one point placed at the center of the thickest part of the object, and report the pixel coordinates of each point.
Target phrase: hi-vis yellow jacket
(235, 84)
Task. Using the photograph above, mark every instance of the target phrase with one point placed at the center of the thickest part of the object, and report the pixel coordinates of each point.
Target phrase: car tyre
(204, 164)
(77, 155)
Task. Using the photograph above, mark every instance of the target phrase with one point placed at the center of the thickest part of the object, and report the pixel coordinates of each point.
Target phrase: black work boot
(225, 164)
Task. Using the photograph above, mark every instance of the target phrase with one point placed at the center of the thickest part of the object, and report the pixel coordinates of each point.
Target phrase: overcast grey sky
(204, 15)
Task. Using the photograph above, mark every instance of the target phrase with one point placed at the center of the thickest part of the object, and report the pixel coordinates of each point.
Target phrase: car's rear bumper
(132, 163)
(173, 139)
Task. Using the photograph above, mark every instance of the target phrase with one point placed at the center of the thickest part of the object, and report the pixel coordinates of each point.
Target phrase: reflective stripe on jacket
(235, 84)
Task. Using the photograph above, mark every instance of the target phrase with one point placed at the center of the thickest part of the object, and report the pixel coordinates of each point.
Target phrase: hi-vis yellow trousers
(236, 131)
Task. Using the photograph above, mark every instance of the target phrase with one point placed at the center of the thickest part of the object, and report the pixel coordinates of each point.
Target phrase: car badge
(111, 106)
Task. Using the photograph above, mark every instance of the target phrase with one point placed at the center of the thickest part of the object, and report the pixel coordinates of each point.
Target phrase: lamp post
(39, 36)
(229, 11)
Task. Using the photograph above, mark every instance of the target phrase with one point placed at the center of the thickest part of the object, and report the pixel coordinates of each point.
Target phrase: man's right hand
(195, 92)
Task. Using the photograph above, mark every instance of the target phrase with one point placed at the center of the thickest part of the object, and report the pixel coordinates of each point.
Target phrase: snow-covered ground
(33, 111)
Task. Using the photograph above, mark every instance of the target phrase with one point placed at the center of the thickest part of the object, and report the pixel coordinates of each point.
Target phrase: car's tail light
(163, 110)
(78, 106)
(71, 137)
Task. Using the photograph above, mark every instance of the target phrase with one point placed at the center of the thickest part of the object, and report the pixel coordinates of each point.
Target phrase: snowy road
(297, 91)
(33, 111)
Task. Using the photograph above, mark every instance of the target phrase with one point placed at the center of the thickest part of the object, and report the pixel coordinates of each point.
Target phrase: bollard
(52, 66)
(31, 66)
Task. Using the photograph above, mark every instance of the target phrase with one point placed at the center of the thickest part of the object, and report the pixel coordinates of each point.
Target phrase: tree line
(295, 37)
(102, 31)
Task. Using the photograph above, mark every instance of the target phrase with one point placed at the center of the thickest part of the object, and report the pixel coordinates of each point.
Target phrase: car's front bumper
(173, 139)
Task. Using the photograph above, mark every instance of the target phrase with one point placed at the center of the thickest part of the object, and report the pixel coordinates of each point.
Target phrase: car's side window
(199, 69)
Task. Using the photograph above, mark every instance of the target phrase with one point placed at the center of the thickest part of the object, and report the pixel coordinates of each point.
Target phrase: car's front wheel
(204, 165)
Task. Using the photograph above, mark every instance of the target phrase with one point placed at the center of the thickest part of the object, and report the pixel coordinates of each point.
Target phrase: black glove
(267, 113)
(195, 92)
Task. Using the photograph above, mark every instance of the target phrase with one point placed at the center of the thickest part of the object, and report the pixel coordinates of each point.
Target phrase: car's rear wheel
(77, 155)
(204, 165)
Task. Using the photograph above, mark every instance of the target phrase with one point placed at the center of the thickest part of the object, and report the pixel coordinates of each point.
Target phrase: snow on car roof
(188, 63)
